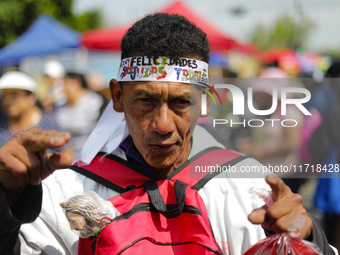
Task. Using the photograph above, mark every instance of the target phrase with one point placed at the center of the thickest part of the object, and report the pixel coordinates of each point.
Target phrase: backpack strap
(113, 172)
(207, 161)
(121, 175)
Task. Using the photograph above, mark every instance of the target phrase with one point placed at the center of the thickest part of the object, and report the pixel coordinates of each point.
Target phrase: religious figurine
(89, 214)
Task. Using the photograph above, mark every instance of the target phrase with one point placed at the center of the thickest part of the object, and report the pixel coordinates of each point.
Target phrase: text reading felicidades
(183, 70)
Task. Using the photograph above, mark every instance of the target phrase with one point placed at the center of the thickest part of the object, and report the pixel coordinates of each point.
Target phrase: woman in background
(19, 104)
(79, 114)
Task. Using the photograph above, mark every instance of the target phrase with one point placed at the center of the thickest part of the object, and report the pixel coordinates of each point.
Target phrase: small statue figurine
(88, 214)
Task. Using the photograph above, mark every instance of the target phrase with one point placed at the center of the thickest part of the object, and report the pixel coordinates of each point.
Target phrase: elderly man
(160, 107)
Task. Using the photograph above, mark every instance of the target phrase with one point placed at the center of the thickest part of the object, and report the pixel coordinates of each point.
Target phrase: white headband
(184, 70)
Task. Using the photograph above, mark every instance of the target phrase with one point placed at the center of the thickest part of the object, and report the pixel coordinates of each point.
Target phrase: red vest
(165, 216)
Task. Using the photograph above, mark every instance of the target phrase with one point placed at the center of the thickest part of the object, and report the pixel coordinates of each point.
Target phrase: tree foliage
(17, 15)
(284, 33)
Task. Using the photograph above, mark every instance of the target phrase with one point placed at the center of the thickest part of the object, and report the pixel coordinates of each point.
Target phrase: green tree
(284, 33)
(17, 15)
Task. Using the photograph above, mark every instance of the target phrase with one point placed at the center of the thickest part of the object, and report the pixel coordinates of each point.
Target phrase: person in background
(322, 94)
(79, 114)
(324, 150)
(19, 104)
(274, 144)
(54, 73)
(96, 82)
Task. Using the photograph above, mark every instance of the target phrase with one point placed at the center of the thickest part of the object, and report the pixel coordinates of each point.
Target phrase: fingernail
(57, 137)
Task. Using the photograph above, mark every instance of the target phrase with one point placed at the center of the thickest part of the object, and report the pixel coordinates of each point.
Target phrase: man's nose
(163, 122)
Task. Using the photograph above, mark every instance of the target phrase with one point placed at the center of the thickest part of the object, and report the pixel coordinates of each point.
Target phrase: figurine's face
(78, 224)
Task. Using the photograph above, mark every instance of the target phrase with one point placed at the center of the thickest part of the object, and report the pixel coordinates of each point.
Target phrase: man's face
(161, 117)
(71, 86)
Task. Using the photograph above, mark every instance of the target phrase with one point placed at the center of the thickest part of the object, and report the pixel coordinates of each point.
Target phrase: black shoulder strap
(113, 172)
(120, 175)
(204, 166)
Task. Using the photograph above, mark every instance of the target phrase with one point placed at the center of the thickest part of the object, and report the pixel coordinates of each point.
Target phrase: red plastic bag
(283, 244)
(288, 243)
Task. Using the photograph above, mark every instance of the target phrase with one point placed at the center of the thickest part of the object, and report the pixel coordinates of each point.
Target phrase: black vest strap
(120, 175)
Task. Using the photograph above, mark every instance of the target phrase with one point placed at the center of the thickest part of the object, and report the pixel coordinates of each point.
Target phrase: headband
(184, 70)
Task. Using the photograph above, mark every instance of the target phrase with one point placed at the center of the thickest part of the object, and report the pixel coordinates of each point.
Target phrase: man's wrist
(12, 195)
(270, 233)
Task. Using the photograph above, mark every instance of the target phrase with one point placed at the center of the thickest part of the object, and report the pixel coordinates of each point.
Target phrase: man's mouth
(162, 148)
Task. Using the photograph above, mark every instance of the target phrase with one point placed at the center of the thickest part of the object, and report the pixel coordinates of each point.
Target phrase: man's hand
(281, 214)
(24, 159)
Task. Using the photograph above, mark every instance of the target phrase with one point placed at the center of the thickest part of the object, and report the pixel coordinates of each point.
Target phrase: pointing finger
(40, 140)
(279, 188)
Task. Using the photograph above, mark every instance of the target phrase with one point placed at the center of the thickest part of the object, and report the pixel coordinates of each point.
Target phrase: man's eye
(182, 102)
(145, 100)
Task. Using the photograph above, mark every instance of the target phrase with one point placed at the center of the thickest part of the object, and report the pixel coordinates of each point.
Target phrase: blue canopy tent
(45, 36)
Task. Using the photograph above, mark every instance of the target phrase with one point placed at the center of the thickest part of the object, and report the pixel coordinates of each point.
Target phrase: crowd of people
(156, 132)
(68, 105)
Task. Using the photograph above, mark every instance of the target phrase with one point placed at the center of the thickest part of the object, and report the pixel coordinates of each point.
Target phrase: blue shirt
(47, 122)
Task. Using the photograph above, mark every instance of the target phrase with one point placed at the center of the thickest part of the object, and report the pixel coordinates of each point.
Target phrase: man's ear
(208, 97)
(116, 95)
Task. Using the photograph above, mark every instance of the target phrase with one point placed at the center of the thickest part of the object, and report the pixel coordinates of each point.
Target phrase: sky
(324, 13)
